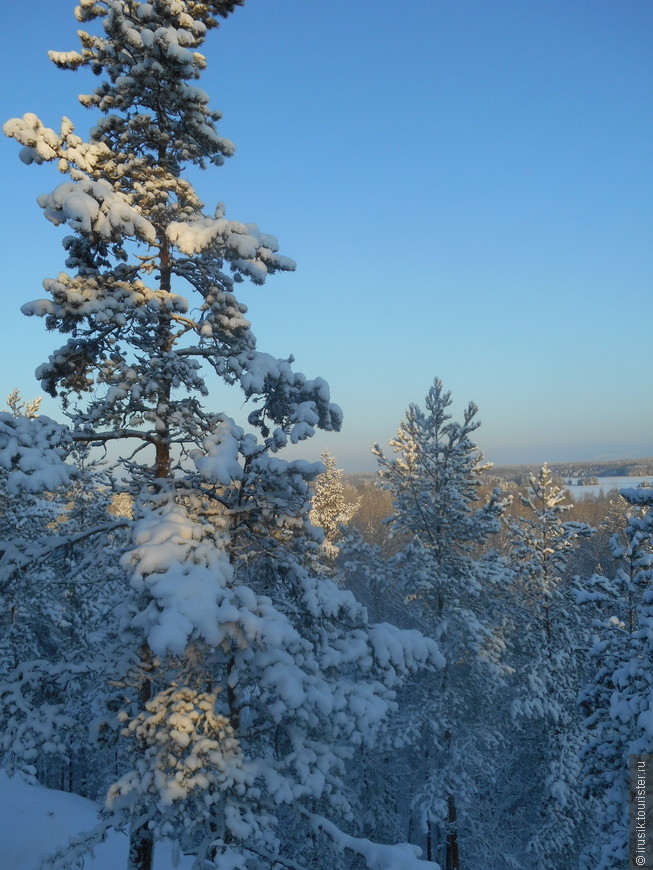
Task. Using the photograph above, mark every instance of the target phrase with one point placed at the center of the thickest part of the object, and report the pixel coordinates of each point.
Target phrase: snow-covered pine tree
(541, 793)
(434, 479)
(53, 594)
(329, 508)
(618, 699)
(32, 717)
(244, 682)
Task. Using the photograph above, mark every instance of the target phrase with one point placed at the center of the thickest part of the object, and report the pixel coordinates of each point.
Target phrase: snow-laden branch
(92, 437)
(32, 452)
(251, 252)
(377, 856)
(77, 849)
(95, 207)
(24, 552)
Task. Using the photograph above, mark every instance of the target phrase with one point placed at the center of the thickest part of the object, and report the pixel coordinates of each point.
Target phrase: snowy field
(34, 821)
(605, 485)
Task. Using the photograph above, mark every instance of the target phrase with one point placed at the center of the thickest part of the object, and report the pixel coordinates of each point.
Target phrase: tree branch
(87, 437)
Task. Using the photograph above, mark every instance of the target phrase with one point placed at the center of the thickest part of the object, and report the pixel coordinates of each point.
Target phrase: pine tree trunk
(429, 843)
(141, 839)
(141, 849)
(452, 855)
(165, 341)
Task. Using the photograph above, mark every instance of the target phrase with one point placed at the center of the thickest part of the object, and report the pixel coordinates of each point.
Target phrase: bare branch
(88, 437)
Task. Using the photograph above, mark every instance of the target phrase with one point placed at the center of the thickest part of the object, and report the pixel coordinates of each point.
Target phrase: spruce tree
(241, 683)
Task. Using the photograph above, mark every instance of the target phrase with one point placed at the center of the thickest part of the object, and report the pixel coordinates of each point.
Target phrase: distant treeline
(583, 472)
(641, 467)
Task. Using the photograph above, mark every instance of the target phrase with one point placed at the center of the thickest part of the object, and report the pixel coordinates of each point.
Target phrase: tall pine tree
(618, 699)
(330, 510)
(241, 683)
(549, 639)
(435, 477)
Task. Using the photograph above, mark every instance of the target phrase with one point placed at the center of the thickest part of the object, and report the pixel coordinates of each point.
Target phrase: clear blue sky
(466, 186)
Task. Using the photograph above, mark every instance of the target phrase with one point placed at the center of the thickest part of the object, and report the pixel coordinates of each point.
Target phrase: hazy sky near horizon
(465, 185)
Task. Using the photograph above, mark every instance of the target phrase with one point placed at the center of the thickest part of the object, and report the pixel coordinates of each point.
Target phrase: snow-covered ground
(606, 485)
(34, 821)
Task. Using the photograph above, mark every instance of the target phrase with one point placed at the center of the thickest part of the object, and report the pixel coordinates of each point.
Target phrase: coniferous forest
(245, 661)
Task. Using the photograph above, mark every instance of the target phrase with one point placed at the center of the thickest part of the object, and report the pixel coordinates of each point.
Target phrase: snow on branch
(218, 460)
(404, 650)
(250, 251)
(377, 856)
(93, 207)
(33, 452)
(77, 848)
(640, 495)
(42, 144)
(39, 142)
(186, 577)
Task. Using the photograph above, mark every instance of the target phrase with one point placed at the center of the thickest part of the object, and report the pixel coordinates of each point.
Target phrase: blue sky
(465, 185)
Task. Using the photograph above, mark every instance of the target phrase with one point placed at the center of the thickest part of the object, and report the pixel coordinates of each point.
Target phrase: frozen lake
(605, 484)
